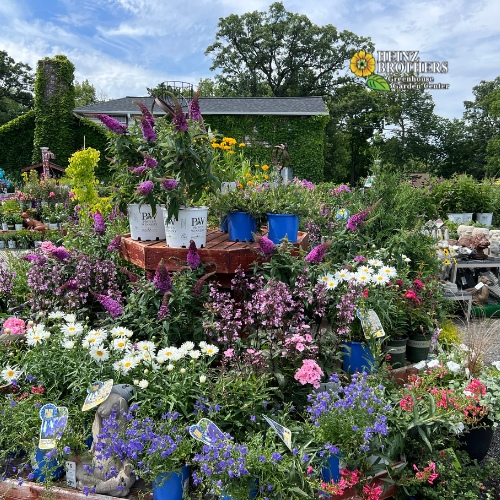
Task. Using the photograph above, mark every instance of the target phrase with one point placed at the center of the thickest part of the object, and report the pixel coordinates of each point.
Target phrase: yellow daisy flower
(446, 262)
(362, 64)
(446, 252)
(265, 167)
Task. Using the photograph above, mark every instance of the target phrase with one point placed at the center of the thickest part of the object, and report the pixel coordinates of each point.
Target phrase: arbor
(281, 54)
(16, 86)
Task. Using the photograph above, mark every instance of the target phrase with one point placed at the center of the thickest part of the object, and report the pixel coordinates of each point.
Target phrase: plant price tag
(283, 432)
(371, 324)
(97, 394)
(70, 473)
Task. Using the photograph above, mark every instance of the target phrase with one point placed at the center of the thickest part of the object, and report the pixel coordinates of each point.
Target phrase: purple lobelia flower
(318, 252)
(112, 124)
(193, 258)
(99, 225)
(145, 187)
(162, 279)
(114, 308)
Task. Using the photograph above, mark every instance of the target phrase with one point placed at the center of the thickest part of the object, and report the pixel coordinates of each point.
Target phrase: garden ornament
(480, 292)
(33, 224)
(98, 481)
(479, 243)
(494, 237)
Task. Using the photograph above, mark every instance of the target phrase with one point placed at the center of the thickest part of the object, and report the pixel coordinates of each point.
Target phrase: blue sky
(124, 46)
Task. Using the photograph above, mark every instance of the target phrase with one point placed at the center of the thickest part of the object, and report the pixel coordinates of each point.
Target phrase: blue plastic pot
(331, 470)
(41, 467)
(283, 226)
(241, 225)
(223, 224)
(357, 356)
(171, 485)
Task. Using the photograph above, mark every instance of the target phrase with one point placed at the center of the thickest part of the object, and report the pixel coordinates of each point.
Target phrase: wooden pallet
(219, 254)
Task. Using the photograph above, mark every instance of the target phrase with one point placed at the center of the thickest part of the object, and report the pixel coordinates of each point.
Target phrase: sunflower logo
(363, 64)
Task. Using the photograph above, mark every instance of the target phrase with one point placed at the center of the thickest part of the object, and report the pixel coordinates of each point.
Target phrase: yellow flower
(240, 185)
(248, 175)
(446, 251)
(241, 144)
(362, 64)
(265, 167)
(215, 145)
(230, 152)
(266, 176)
(250, 183)
(446, 262)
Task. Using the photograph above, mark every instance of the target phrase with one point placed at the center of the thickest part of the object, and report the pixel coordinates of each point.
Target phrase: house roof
(282, 106)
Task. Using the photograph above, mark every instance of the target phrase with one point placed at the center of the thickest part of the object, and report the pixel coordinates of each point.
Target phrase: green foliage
(16, 145)
(80, 174)
(245, 46)
(54, 103)
(85, 93)
(93, 136)
(304, 138)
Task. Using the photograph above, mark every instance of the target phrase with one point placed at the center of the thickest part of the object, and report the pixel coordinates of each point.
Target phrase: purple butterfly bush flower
(112, 124)
(145, 112)
(162, 279)
(356, 220)
(318, 252)
(139, 170)
(149, 161)
(179, 120)
(99, 224)
(114, 308)
(163, 312)
(115, 245)
(193, 258)
(266, 246)
(60, 253)
(169, 184)
(194, 109)
(145, 187)
(147, 130)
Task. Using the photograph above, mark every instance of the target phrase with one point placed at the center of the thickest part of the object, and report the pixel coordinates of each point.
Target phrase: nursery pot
(356, 357)
(476, 442)
(191, 224)
(467, 216)
(417, 347)
(223, 224)
(18, 227)
(484, 218)
(143, 225)
(5, 226)
(253, 492)
(11, 244)
(241, 225)
(331, 469)
(41, 467)
(2, 244)
(171, 485)
(281, 226)
(396, 348)
(457, 218)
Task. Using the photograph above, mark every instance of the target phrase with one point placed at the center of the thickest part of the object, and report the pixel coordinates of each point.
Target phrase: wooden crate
(219, 254)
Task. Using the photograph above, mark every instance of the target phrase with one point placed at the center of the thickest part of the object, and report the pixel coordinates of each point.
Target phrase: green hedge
(16, 145)
(304, 138)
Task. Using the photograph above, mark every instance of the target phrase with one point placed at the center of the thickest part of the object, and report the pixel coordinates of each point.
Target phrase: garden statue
(479, 243)
(494, 237)
(480, 295)
(33, 224)
(97, 479)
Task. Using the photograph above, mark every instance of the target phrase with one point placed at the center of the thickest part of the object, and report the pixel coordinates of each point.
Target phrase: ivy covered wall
(304, 138)
(54, 103)
(16, 145)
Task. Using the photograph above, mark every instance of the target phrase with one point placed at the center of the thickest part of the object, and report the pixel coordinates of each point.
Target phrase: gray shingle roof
(286, 106)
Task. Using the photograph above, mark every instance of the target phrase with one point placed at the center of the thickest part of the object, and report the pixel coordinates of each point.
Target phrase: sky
(123, 46)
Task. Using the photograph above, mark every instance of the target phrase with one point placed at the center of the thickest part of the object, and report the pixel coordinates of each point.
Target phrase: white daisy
(121, 344)
(195, 354)
(9, 373)
(56, 315)
(69, 318)
(365, 270)
(496, 364)
(187, 346)
(143, 384)
(70, 329)
(202, 344)
(375, 263)
(332, 283)
(146, 346)
(361, 277)
(91, 341)
(68, 344)
(380, 279)
(389, 271)
(343, 275)
(119, 331)
(209, 349)
(36, 335)
(170, 354)
(99, 353)
(453, 367)
(128, 363)
(325, 278)
(102, 334)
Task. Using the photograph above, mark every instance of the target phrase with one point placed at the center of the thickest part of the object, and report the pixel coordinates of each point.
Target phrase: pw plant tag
(283, 432)
(206, 431)
(54, 420)
(70, 473)
(371, 324)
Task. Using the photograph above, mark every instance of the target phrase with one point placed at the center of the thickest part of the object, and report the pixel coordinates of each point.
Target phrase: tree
(85, 94)
(281, 54)
(16, 86)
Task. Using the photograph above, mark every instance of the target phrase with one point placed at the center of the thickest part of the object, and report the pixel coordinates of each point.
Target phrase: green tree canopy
(85, 93)
(279, 53)
(16, 86)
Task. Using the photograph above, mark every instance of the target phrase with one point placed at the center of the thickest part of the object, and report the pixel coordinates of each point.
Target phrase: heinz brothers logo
(401, 69)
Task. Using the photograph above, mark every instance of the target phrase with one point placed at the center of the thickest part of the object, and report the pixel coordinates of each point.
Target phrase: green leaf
(424, 438)
(377, 82)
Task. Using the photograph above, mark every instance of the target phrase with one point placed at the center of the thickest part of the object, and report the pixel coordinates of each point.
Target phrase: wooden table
(219, 254)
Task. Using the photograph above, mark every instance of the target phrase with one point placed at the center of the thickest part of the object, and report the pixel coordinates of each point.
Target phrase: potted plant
(18, 221)
(23, 238)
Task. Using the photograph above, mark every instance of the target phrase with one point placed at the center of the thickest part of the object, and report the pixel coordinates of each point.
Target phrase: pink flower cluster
(301, 343)
(309, 373)
(429, 473)
(15, 325)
